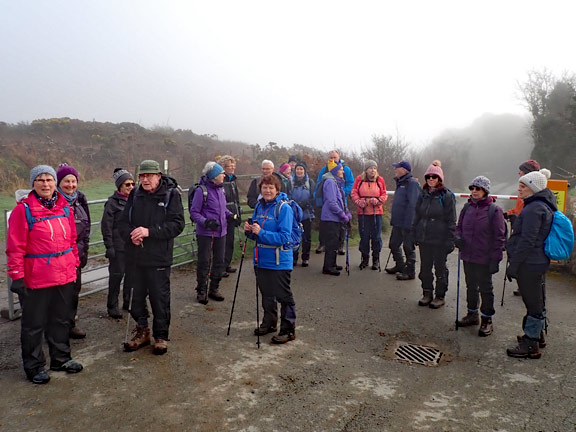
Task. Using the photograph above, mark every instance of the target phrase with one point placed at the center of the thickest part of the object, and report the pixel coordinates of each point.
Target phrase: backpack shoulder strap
(31, 221)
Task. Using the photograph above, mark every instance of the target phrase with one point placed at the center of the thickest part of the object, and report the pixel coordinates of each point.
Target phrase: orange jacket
(517, 208)
(369, 196)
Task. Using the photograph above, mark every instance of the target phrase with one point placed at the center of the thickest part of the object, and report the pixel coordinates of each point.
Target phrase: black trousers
(152, 282)
(400, 239)
(332, 233)
(210, 255)
(274, 285)
(433, 257)
(45, 315)
(117, 271)
(76, 287)
(230, 237)
(479, 286)
(306, 244)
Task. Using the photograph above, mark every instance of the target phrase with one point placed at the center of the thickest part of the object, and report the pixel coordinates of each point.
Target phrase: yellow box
(560, 189)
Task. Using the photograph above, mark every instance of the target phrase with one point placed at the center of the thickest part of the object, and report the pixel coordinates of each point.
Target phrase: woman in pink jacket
(42, 260)
(369, 195)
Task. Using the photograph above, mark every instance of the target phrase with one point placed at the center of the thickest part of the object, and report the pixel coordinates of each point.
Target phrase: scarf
(70, 198)
(49, 203)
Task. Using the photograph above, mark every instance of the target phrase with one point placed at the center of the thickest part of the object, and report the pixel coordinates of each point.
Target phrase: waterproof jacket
(50, 236)
(215, 208)
(303, 194)
(254, 192)
(348, 176)
(484, 239)
(113, 208)
(268, 251)
(334, 208)
(164, 222)
(362, 192)
(526, 243)
(435, 218)
(82, 219)
(286, 184)
(404, 203)
(232, 196)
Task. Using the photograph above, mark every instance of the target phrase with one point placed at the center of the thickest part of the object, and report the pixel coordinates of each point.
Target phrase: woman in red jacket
(369, 195)
(42, 261)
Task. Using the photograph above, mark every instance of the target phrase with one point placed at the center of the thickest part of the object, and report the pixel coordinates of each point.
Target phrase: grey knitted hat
(120, 176)
(41, 169)
(481, 182)
(370, 163)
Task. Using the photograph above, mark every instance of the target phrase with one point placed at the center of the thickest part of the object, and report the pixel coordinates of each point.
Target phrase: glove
(18, 287)
(459, 242)
(362, 203)
(231, 218)
(374, 201)
(512, 271)
(449, 245)
(211, 224)
(83, 261)
(512, 218)
(348, 215)
(343, 217)
(110, 253)
(506, 216)
(494, 267)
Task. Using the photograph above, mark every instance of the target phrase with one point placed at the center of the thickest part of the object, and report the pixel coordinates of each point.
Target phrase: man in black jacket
(253, 191)
(233, 204)
(153, 216)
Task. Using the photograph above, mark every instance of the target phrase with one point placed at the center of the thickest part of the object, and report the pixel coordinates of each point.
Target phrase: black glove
(110, 253)
(512, 271)
(83, 261)
(506, 216)
(18, 287)
(459, 242)
(494, 267)
(212, 224)
(449, 246)
(512, 218)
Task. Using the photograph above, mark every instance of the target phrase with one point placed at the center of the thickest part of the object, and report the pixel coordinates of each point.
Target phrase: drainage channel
(417, 354)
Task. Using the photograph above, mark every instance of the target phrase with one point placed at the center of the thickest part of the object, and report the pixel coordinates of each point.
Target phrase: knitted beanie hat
(64, 170)
(212, 170)
(536, 180)
(292, 158)
(370, 163)
(41, 169)
(334, 167)
(284, 167)
(481, 182)
(303, 165)
(120, 176)
(529, 166)
(435, 169)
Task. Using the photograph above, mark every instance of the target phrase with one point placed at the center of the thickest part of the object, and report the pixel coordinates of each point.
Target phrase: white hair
(208, 167)
(266, 161)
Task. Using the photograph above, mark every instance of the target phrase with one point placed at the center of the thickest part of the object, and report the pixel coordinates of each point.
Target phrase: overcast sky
(319, 73)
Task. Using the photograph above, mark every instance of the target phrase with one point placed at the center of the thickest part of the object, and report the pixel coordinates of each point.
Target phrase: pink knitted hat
(435, 168)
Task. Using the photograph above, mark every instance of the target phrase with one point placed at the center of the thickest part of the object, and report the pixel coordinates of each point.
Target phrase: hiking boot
(76, 333)
(339, 268)
(230, 270)
(426, 299)
(405, 276)
(375, 263)
(341, 252)
(262, 330)
(215, 295)
(365, 261)
(70, 366)
(331, 271)
(140, 338)
(305, 263)
(516, 293)
(201, 297)
(541, 341)
(470, 319)
(114, 313)
(225, 274)
(527, 348)
(437, 303)
(320, 249)
(160, 346)
(41, 377)
(285, 335)
(396, 269)
(486, 327)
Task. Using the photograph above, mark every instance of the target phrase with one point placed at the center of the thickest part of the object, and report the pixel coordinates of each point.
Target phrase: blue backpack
(560, 241)
(297, 228)
(32, 220)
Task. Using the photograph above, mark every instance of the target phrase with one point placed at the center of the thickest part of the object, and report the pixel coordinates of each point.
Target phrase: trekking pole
(237, 283)
(458, 291)
(125, 344)
(347, 254)
(388, 260)
(504, 286)
(209, 267)
(257, 307)
(378, 237)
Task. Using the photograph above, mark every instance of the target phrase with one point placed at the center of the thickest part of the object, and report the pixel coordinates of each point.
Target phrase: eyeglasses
(431, 176)
(475, 188)
(128, 184)
(44, 180)
(147, 175)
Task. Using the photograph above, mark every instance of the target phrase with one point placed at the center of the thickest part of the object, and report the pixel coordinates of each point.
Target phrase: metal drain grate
(419, 354)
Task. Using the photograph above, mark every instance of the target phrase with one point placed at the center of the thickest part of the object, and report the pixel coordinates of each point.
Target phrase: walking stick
(388, 260)
(125, 344)
(458, 291)
(377, 234)
(347, 254)
(237, 283)
(504, 286)
(257, 289)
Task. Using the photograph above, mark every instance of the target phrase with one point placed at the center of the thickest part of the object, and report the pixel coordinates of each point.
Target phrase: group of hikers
(48, 234)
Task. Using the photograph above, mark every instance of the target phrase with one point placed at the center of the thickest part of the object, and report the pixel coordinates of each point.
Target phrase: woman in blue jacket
(302, 191)
(270, 228)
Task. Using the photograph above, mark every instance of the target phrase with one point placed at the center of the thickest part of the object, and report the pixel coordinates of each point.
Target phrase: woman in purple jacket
(208, 211)
(480, 236)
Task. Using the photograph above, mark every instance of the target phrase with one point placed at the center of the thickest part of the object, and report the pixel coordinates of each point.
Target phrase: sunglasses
(475, 188)
(431, 176)
(128, 184)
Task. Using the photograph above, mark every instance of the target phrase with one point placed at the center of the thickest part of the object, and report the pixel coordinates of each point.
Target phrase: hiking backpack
(193, 190)
(297, 227)
(32, 220)
(560, 240)
(319, 193)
